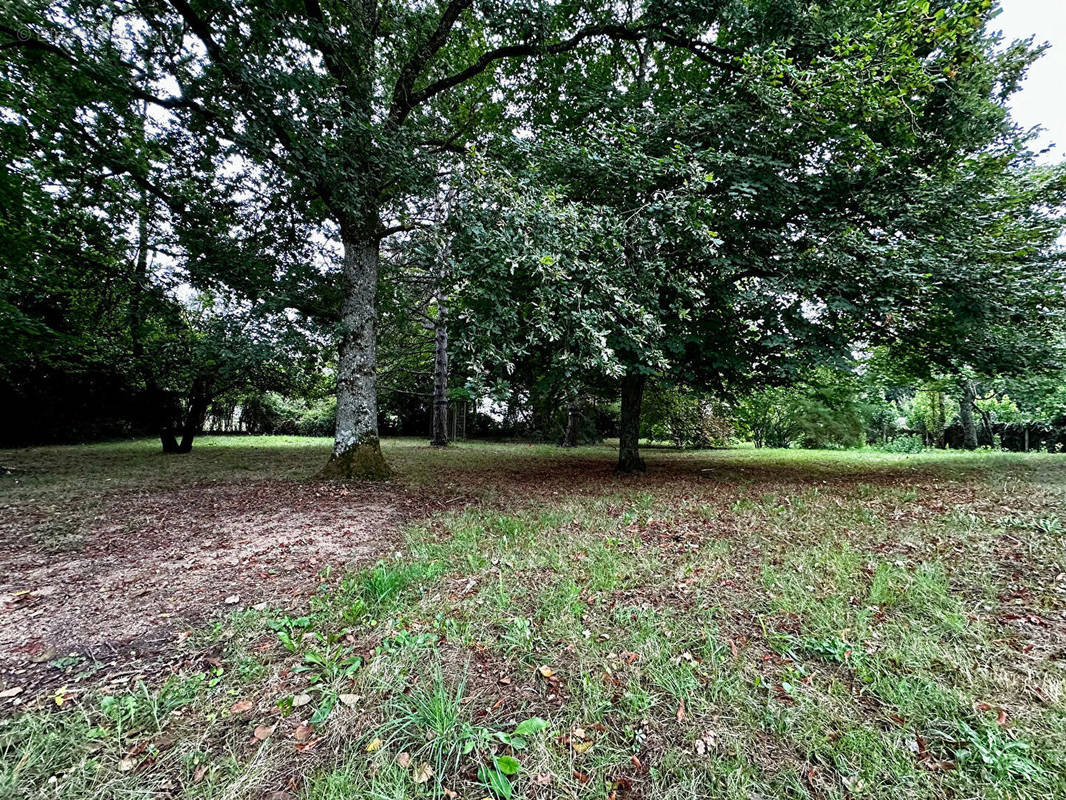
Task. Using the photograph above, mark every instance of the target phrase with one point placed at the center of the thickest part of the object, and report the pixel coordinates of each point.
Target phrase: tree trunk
(629, 459)
(572, 419)
(199, 400)
(356, 449)
(966, 403)
(986, 419)
(169, 440)
(164, 414)
(440, 375)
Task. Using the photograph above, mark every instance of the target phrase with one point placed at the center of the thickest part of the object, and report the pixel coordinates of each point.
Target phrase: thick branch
(413, 69)
(702, 50)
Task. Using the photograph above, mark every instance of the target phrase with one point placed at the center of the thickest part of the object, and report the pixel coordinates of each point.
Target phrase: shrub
(911, 443)
(684, 419)
(273, 414)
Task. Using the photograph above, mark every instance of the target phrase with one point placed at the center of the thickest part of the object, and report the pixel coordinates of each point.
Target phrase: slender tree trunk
(969, 428)
(168, 411)
(572, 420)
(440, 374)
(629, 459)
(356, 448)
(986, 419)
(199, 400)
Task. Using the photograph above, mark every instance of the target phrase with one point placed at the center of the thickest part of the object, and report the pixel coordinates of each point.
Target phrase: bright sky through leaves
(1042, 100)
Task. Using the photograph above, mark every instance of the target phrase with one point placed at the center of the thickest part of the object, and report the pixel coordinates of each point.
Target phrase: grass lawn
(510, 621)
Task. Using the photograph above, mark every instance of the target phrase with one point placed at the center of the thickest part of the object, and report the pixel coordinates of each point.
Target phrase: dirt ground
(142, 567)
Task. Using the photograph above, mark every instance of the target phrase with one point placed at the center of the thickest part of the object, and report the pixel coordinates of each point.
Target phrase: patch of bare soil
(148, 565)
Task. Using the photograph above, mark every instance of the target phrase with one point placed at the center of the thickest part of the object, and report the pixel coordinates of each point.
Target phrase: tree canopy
(720, 196)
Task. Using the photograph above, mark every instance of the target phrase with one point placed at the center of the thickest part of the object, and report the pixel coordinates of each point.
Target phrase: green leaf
(323, 711)
(496, 781)
(531, 726)
(508, 765)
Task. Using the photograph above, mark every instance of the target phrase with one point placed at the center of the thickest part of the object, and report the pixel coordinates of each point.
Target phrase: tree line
(534, 202)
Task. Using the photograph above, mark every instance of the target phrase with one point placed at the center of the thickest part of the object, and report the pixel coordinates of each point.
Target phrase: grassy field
(735, 624)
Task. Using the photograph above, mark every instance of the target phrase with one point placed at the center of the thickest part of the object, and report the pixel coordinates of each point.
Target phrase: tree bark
(199, 400)
(169, 440)
(440, 374)
(572, 419)
(966, 404)
(629, 459)
(356, 448)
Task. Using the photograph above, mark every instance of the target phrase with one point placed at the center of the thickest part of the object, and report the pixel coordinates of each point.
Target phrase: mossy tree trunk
(356, 448)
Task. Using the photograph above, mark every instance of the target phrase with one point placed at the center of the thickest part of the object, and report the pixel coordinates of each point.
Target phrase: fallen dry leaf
(302, 733)
(546, 671)
(375, 744)
(126, 764)
(404, 759)
(349, 700)
(241, 707)
(301, 700)
(14, 690)
(262, 732)
(423, 773)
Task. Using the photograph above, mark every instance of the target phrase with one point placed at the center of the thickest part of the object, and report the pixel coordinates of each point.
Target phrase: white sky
(1042, 100)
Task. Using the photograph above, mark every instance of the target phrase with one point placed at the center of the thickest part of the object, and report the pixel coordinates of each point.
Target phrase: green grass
(736, 624)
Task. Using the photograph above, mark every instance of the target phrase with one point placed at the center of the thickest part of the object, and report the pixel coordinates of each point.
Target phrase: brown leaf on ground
(423, 773)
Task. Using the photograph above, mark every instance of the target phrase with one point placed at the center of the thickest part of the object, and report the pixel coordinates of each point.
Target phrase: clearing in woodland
(514, 621)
